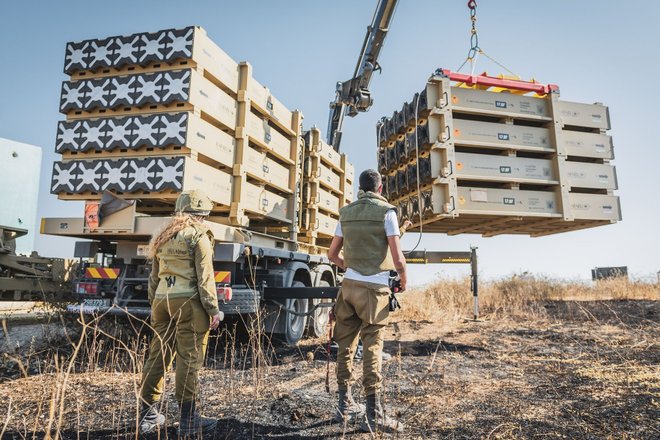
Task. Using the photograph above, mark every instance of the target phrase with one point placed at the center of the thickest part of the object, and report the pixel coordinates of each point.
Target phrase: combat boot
(192, 423)
(376, 420)
(348, 410)
(151, 419)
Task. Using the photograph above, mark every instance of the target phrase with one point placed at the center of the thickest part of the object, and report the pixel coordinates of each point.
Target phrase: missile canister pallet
(327, 185)
(491, 159)
(153, 114)
(152, 52)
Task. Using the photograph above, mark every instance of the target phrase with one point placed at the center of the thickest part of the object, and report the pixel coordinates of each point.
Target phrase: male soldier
(368, 231)
(184, 306)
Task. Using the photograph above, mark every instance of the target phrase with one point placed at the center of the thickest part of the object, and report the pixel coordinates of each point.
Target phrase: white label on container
(478, 195)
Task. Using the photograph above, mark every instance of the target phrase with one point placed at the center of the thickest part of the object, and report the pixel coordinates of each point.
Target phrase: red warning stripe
(104, 273)
(223, 277)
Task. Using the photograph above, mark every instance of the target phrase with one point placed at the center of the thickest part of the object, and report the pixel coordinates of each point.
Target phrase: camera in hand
(395, 287)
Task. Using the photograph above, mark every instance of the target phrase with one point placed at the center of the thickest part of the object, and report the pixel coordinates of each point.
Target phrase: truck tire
(317, 326)
(293, 325)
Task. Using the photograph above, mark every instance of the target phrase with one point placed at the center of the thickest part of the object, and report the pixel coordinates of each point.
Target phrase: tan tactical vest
(363, 227)
(176, 259)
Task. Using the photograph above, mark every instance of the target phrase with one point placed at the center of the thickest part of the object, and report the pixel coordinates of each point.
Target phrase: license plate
(96, 302)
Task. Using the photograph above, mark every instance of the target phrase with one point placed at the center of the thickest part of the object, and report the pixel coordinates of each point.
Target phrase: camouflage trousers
(181, 330)
(361, 311)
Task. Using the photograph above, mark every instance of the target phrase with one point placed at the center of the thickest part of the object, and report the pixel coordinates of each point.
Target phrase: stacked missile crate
(152, 114)
(327, 186)
(491, 161)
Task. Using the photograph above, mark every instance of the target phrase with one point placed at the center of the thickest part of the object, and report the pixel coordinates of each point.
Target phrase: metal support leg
(475, 281)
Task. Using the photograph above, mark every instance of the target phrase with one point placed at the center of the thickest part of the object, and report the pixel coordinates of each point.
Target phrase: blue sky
(597, 51)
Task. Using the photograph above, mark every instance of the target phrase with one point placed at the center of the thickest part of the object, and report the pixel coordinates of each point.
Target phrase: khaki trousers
(181, 328)
(362, 309)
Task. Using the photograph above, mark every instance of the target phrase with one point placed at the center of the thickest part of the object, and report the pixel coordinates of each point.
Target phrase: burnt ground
(585, 370)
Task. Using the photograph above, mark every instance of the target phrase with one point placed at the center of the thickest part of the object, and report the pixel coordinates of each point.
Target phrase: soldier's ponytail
(179, 222)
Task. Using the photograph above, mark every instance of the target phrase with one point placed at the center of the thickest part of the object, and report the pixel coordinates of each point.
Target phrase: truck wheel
(294, 325)
(318, 321)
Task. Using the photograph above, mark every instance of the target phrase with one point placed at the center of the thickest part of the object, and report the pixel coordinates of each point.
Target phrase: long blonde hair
(180, 221)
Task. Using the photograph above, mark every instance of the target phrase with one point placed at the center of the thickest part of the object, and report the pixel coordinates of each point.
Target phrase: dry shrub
(515, 295)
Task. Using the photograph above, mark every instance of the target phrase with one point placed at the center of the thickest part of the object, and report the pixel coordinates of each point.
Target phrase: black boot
(347, 409)
(192, 423)
(151, 419)
(376, 420)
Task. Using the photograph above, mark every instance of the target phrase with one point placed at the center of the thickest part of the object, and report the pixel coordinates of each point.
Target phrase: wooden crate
(259, 200)
(589, 145)
(491, 211)
(324, 165)
(328, 179)
(145, 135)
(232, 122)
(157, 177)
(176, 90)
(263, 101)
(152, 52)
(480, 134)
(325, 224)
(260, 165)
(318, 228)
(268, 152)
(591, 176)
(261, 132)
(319, 197)
(316, 146)
(494, 168)
(348, 181)
(477, 160)
(497, 201)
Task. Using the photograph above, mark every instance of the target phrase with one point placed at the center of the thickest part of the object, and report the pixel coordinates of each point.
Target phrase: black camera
(395, 287)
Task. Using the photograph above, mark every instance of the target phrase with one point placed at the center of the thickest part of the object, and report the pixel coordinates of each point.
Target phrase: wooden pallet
(490, 226)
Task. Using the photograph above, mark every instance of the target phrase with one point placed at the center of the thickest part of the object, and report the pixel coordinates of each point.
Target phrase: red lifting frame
(490, 81)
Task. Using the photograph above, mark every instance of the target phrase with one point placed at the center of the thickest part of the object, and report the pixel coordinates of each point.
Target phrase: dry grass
(88, 385)
(449, 301)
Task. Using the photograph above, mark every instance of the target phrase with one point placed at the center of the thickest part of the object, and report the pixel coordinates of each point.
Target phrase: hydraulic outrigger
(276, 294)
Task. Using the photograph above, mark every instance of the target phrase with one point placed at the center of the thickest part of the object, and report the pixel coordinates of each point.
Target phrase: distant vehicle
(606, 273)
(31, 278)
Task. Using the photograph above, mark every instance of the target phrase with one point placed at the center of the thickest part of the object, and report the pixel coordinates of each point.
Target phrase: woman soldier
(184, 306)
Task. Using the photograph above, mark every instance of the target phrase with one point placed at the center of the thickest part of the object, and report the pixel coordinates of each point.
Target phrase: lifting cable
(476, 50)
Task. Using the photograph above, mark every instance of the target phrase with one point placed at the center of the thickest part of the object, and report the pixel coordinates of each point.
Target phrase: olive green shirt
(183, 268)
(366, 248)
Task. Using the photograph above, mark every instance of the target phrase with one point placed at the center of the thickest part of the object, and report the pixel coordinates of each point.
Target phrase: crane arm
(353, 96)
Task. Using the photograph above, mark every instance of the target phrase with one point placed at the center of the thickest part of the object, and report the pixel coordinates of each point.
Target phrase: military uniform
(183, 298)
(362, 308)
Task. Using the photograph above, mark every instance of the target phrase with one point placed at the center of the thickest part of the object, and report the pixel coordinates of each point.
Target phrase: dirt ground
(586, 370)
